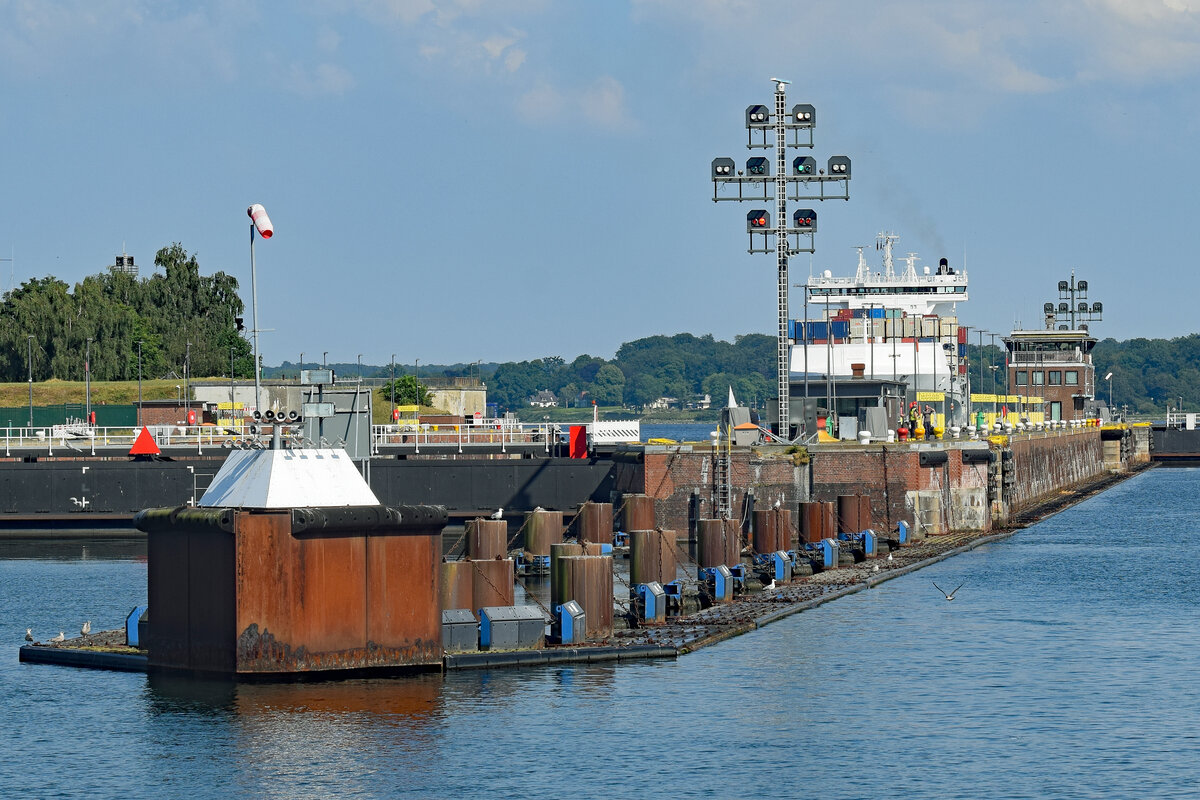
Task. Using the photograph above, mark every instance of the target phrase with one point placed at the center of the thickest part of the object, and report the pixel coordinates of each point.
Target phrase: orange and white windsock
(262, 223)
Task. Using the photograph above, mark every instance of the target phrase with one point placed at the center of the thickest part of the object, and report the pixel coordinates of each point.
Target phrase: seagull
(539, 508)
(87, 628)
(875, 568)
(951, 595)
(770, 587)
(889, 556)
(29, 634)
(499, 513)
(778, 502)
(61, 637)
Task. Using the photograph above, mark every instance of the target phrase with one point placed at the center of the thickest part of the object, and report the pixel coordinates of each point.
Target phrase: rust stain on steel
(542, 529)
(847, 514)
(337, 602)
(492, 583)
(588, 581)
(652, 557)
(487, 539)
(638, 513)
(783, 529)
(596, 522)
(765, 539)
(458, 578)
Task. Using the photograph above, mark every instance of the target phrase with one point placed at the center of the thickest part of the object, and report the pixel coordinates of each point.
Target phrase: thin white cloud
(601, 104)
(323, 79)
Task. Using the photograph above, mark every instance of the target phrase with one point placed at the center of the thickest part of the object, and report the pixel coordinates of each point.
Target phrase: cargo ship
(895, 329)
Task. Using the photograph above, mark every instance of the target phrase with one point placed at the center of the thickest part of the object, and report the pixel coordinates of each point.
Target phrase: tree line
(164, 312)
(177, 305)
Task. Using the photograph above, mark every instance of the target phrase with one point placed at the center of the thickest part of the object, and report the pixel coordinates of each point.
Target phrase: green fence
(44, 416)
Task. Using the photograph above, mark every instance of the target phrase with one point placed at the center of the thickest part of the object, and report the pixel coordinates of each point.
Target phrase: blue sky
(461, 180)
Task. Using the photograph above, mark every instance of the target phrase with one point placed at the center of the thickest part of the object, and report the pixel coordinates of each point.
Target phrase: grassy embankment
(56, 392)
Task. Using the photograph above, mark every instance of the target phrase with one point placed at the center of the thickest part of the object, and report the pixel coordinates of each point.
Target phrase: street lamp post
(393, 382)
(417, 379)
(262, 223)
(187, 388)
(139, 414)
(30, 362)
(360, 367)
(87, 383)
(323, 357)
(1108, 378)
(301, 370)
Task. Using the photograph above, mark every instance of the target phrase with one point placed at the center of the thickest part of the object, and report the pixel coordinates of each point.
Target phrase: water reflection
(132, 548)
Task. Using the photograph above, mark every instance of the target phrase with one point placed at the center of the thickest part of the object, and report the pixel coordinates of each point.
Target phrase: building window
(1072, 377)
(1038, 377)
(1022, 377)
(1055, 379)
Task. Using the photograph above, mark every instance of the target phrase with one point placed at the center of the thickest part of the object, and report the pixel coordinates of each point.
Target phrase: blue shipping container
(818, 330)
(841, 329)
(876, 313)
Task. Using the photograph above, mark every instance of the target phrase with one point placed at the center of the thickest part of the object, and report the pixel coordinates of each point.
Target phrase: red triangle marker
(144, 445)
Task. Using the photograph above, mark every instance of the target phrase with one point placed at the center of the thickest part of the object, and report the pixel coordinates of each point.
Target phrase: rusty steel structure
(588, 580)
(637, 513)
(718, 542)
(542, 529)
(487, 539)
(595, 522)
(305, 590)
(652, 557)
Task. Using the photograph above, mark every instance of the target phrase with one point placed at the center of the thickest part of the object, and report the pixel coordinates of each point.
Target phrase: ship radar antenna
(910, 270)
(864, 271)
(884, 242)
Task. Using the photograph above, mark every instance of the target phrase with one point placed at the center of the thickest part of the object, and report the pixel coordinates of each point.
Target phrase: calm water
(1068, 666)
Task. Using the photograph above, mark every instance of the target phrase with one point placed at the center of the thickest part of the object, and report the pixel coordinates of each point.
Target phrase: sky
(462, 180)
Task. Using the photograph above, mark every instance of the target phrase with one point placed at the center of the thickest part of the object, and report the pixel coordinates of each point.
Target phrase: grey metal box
(511, 628)
(460, 632)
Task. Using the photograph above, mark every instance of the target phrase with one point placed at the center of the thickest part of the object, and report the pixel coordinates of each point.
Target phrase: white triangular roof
(299, 478)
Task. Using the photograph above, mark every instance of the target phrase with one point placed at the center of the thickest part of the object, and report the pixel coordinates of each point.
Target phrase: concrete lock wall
(1043, 466)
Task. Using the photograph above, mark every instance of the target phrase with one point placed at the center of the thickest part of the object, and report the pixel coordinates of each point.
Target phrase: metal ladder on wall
(721, 470)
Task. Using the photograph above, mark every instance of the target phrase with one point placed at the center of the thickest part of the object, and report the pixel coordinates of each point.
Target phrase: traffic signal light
(805, 220)
(238, 321)
(758, 117)
(803, 116)
(805, 165)
(1083, 307)
(1081, 287)
(839, 166)
(1097, 308)
(722, 168)
(1063, 308)
(758, 220)
(1048, 308)
(758, 166)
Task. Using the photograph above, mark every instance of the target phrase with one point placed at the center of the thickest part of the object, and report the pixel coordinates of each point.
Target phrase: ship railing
(70, 439)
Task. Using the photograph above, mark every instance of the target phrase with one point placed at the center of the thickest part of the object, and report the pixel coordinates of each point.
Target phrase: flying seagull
(87, 628)
(951, 595)
(29, 634)
(61, 637)
(499, 513)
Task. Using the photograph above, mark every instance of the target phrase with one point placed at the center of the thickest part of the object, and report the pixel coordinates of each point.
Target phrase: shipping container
(910, 327)
(859, 313)
(858, 329)
(876, 313)
(962, 335)
(841, 329)
(877, 328)
(962, 351)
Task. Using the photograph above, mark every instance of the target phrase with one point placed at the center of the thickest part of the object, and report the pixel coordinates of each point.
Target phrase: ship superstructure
(884, 324)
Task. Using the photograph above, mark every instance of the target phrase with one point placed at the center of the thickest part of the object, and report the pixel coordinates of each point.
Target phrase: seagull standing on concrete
(87, 628)
(889, 556)
(61, 637)
(951, 595)
(499, 513)
(770, 587)
(29, 634)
